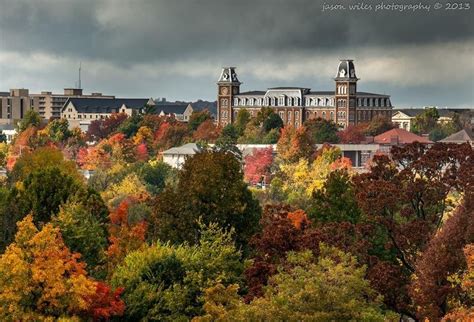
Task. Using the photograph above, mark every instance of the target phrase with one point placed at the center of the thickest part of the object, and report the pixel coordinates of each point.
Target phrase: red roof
(399, 136)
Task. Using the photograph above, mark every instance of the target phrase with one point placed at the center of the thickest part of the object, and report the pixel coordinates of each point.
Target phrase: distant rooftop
(399, 136)
(105, 105)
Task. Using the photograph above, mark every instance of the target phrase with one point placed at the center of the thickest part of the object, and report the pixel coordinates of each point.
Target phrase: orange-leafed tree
(295, 144)
(299, 219)
(341, 163)
(40, 278)
(92, 158)
(258, 164)
(124, 236)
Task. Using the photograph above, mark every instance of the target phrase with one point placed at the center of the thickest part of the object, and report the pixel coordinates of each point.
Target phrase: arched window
(331, 115)
(324, 114)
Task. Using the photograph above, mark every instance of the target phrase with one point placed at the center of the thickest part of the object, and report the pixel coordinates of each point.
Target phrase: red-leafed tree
(207, 131)
(352, 134)
(405, 197)
(106, 303)
(142, 152)
(124, 235)
(278, 236)
(100, 129)
(170, 134)
(258, 164)
(432, 289)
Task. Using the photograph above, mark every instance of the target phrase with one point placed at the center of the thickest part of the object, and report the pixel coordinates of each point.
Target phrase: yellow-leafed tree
(40, 278)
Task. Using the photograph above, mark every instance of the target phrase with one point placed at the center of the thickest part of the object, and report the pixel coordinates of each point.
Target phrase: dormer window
(281, 101)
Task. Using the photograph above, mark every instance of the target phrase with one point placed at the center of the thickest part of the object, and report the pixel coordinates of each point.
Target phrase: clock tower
(227, 86)
(345, 95)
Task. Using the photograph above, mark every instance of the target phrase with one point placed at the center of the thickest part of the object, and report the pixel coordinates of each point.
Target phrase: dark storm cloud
(141, 31)
(175, 48)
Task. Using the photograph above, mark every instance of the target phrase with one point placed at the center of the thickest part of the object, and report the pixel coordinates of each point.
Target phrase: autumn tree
(297, 181)
(48, 280)
(197, 118)
(432, 288)
(106, 303)
(100, 129)
(378, 125)
(211, 187)
(257, 165)
(125, 235)
(42, 158)
(207, 131)
(322, 130)
(353, 134)
(465, 311)
(279, 235)
(58, 130)
(295, 143)
(329, 287)
(171, 134)
(172, 278)
(406, 198)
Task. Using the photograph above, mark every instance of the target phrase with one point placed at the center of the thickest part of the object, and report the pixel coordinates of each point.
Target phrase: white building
(176, 156)
(9, 131)
(180, 112)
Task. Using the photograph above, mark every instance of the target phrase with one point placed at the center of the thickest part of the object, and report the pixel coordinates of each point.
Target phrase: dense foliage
(95, 226)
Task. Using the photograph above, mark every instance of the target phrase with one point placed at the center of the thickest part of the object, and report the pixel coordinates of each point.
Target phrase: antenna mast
(80, 65)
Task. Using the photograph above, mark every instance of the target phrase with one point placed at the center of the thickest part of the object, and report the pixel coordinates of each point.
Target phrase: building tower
(346, 92)
(227, 86)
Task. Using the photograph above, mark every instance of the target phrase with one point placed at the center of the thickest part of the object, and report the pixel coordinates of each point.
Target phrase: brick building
(345, 105)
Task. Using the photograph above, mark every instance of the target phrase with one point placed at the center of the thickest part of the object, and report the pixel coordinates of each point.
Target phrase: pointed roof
(462, 136)
(399, 136)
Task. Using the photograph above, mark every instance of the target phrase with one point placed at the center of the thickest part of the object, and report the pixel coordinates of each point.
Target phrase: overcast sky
(175, 48)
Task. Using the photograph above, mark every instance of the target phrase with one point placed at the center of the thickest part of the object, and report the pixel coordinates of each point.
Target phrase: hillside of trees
(141, 241)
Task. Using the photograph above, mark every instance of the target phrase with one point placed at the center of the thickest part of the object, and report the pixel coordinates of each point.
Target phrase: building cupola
(346, 71)
(228, 76)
